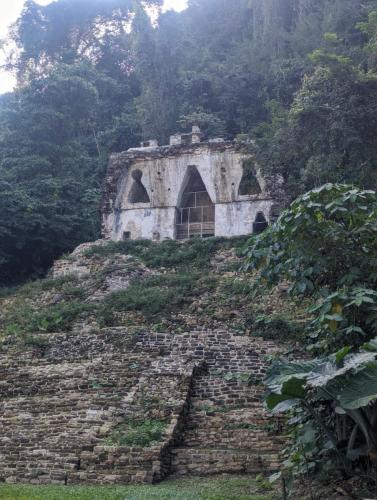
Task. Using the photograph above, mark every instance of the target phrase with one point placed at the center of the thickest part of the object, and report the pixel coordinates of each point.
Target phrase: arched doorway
(195, 212)
(260, 223)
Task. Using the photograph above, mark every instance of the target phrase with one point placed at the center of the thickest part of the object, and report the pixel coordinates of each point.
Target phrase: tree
(98, 76)
(68, 31)
(51, 158)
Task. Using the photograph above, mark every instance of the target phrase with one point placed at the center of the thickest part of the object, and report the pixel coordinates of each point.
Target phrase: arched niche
(138, 193)
(249, 184)
(260, 223)
(195, 215)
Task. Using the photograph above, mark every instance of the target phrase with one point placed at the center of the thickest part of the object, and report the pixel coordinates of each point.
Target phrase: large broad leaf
(282, 372)
(328, 371)
(280, 403)
(360, 389)
(291, 390)
(284, 406)
(354, 385)
(340, 355)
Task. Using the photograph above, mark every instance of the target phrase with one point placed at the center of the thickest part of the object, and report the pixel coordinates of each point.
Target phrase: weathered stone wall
(66, 402)
(59, 404)
(165, 176)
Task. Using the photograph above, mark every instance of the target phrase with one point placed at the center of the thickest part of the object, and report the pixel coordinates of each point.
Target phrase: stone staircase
(227, 431)
(227, 428)
(59, 406)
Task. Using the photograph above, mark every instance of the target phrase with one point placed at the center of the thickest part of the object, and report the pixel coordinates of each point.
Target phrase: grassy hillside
(169, 286)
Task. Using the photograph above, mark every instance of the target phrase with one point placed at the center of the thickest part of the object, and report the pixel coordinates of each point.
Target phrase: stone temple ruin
(187, 189)
(68, 398)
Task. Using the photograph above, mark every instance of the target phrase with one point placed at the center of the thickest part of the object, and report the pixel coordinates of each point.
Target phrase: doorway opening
(195, 215)
(260, 223)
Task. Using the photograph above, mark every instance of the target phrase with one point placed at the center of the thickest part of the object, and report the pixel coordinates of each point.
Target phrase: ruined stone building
(186, 189)
(75, 401)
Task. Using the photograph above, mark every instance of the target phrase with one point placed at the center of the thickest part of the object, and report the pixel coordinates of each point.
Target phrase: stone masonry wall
(60, 404)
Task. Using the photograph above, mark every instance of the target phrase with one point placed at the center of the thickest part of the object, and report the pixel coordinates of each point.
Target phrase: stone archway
(195, 216)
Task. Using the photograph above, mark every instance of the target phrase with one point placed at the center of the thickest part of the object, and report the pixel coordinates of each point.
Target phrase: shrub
(24, 319)
(343, 381)
(237, 287)
(32, 288)
(131, 247)
(274, 327)
(327, 238)
(196, 252)
(156, 296)
(133, 433)
(32, 341)
(325, 244)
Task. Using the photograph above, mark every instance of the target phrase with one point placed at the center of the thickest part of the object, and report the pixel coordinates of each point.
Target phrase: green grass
(142, 434)
(157, 296)
(237, 286)
(31, 289)
(23, 319)
(219, 488)
(25, 316)
(196, 253)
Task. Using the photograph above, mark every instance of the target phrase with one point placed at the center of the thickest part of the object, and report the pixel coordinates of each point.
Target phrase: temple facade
(189, 188)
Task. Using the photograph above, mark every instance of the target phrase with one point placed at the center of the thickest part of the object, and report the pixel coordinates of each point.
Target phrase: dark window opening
(249, 182)
(138, 193)
(186, 139)
(274, 213)
(195, 213)
(260, 223)
(127, 235)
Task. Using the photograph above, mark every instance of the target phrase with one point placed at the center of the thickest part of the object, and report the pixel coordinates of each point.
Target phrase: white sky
(9, 12)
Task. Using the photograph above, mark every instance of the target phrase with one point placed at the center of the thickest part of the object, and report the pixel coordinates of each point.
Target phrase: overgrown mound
(136, 360)
(168, 286)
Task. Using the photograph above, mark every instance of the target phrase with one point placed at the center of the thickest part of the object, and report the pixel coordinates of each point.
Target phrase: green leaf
(334, 317)
(282, 371)
(291, 390)
(361, 389)
(301, 286)
(274, 477)
(370, 346)
(280, 403)
(340, 355)
(328, 371)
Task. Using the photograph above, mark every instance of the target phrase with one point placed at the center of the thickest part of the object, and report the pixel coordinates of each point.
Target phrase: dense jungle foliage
(325, 244)
(296, 76)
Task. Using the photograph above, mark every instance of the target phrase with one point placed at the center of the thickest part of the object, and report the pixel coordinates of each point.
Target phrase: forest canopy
(94, 77)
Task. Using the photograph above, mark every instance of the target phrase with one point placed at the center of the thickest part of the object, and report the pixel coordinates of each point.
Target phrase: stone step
(199, 450)
(54, 410)
(207, 461)
(207, 410)
(254, 440)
